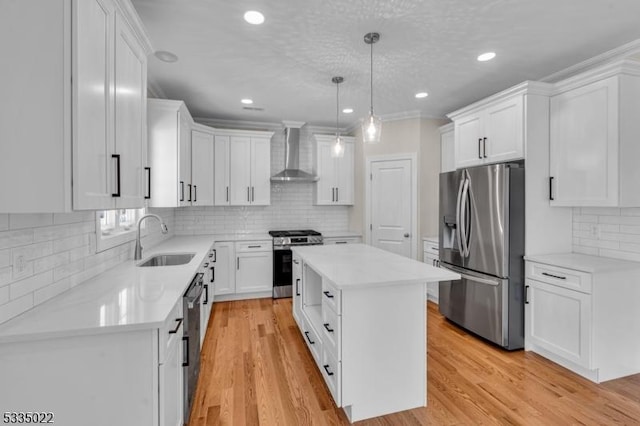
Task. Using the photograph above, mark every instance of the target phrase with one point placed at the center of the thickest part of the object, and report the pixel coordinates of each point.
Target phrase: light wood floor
(256, 369)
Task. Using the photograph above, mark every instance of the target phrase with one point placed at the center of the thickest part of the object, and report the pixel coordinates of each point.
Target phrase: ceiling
(286, 64)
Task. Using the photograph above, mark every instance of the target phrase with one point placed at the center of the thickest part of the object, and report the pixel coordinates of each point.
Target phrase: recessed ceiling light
(254, 17)
(486, 56)
(247, 101)
(347, 110)
(165, 56)
(421, 95)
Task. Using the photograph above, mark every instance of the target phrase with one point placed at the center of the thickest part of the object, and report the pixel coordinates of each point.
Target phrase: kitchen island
(362, 314)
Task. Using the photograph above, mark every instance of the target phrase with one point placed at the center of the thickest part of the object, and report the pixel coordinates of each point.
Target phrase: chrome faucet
(137, 254)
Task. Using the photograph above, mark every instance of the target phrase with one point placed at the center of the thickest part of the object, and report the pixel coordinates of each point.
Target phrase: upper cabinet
(202, 165)
(490, 133)
(87, 89)
(169, 130)
(447, 148)
(242, 168)
(335, 175)
(594, 132)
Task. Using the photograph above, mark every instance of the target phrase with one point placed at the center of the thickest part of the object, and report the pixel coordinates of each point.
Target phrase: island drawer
(431, 248)
(249, 246)
(558, 276)
(170, 330)
(332, 373)
(331, 332)
(331, 296)
(313, 341)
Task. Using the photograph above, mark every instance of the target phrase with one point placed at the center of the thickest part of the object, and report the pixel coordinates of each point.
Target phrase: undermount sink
(168, 259)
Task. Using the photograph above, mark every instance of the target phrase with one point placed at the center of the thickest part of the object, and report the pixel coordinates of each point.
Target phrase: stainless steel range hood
(292, 172)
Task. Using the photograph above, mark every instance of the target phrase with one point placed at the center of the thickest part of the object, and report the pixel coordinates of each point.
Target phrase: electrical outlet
(594, 230)
(21, 267)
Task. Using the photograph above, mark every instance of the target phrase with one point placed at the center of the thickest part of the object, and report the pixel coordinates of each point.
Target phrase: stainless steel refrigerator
(482, 238)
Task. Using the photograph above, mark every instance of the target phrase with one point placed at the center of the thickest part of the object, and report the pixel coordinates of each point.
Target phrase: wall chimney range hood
(292, 172)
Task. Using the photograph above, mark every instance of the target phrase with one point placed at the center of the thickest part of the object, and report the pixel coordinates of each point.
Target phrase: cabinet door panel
(130, 120)
(170, 385)
(260, 171)
(254, 272)
(184, 134)
(93, 141)
(344, 185)
(221, 171)
(468, 134)
(584, 145)
(240, 171)
(504, 131)
(326, 170)
(447, 152)
(202, 147)
(224, 278)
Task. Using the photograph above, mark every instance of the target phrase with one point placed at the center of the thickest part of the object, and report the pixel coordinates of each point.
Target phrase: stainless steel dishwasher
(191, 340)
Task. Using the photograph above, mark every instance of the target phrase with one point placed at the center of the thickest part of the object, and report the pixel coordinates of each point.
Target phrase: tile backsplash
(607, 232)
(42, 255)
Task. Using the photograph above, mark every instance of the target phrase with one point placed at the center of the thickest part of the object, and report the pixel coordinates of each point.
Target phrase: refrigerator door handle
(463, 216)
(494, 282)
(458, 223)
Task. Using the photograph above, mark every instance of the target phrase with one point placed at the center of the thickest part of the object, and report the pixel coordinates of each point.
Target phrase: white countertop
(124, 297)
(583, 262)
(358, 265)
(433, 240)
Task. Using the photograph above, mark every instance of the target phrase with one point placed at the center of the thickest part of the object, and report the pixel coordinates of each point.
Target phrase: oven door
(282, 272)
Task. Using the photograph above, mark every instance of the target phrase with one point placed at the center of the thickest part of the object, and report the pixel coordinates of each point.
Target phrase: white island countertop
(121, 298)
(359, 265)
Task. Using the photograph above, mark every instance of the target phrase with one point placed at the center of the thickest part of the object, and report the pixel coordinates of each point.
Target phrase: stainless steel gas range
(282, 267)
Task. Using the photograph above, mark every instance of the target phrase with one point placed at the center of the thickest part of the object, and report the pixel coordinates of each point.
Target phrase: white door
(240, 171)
(391, 206)
(221, 171)
(260, 171)
(202, 168)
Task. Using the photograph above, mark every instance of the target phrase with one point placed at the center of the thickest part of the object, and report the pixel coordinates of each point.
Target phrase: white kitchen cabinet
(90, 106)
(254, 266)
(335, 175)
(169, 130)
(208, 296)
(431, 255)
(491, 133)
(242, 167)
(579, 313)
(342, 240)
(296, 275)
(170, 371)
(447, 148)
(202, 165)
(224, 262)
(594, 131)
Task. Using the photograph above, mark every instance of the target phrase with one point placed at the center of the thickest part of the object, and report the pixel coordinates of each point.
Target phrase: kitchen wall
(43, 255)
(291, 203)
(412, 135)
(608, 232)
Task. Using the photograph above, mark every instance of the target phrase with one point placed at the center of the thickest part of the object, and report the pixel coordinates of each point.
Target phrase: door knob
(406, 235)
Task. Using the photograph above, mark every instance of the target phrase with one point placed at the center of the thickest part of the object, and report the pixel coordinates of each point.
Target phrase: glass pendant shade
(337, 150)
(371, 129)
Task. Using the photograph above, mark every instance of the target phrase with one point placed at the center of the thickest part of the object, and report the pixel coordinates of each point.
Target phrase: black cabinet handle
(213, 273)
(326, 368)
(117, 157)
(326, 326)
(341, 242)
(206, 294)
(237, 263)
(179, 323)
(484, 147)
(253, 193)
(148, 169)
(554, 276)
(227, 193)
(248, 194)
(337, 195)
(195, 193)
(329, 295)
(215, 253)
(333, 195)
(480, 148)
(189, 185)
(181, 190)
(186, 351)
(526, 294)
(296, 262)
(297, 286)
(311, 342)
(551, 188)
(254, 246)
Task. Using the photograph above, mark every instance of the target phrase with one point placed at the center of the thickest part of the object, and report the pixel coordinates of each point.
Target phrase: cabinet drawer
(332, 373)
(431, 248)
(331, 332)
(345, 240)
(331, 296)
(312, 340)
(248, 246)
(562, 277)
(170, 330)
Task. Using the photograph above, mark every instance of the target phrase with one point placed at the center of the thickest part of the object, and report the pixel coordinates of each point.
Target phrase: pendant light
(372, 125)
(338, 146)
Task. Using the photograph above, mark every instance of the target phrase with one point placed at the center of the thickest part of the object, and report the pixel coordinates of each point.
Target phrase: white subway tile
(29, 285)
(32, 220)
(68, 269)
(75, 217)
(4, 294)
(50, 262)
(46, 293)
(4, 221)
(5, 275)
(33, 251)
(16, 307)
(5, 258)
(619, 254)
(630, 229)
(9, 239)
(586, 250)
(586, 218)
(635, 211)
(635, 248)
(620, 220)
(69, 243)
(600, 211)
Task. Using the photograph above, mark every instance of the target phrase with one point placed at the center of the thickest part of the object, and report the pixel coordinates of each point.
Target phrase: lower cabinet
(342, 240)
(243, 268)
(296, 274)
(431, 255)
(224, 264)
(582, 315)
(170, 370)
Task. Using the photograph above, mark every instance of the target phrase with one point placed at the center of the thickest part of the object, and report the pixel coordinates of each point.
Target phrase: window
(115, 227)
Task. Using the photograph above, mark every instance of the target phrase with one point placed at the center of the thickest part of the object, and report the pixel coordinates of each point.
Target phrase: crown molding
(131, 16)
(625, 51)
(623, 66)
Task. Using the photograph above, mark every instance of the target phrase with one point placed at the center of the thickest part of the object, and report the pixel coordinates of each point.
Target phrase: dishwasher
(191, 340)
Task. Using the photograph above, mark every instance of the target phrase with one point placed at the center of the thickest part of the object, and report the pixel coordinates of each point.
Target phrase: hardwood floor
(256, 369)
